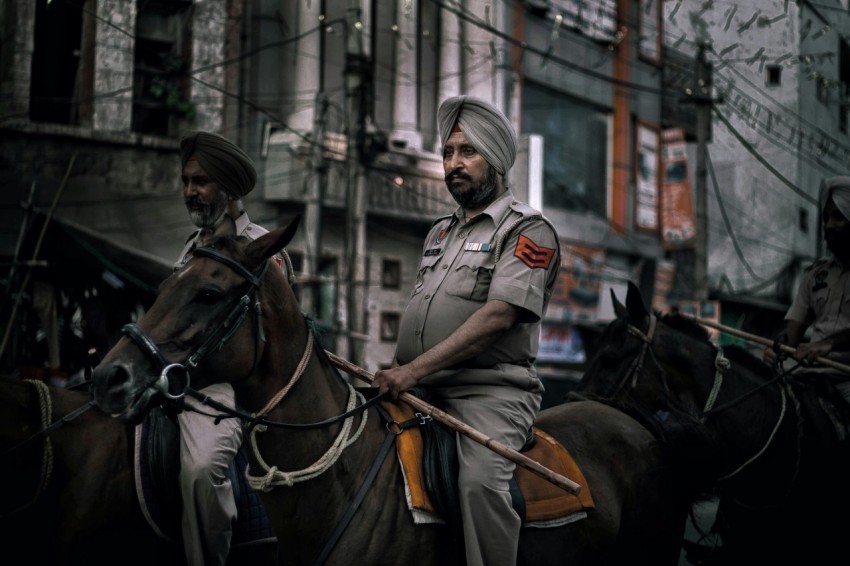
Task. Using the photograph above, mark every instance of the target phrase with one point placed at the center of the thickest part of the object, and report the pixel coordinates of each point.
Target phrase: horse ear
(272, 242)
(619, 308)
(634, 304)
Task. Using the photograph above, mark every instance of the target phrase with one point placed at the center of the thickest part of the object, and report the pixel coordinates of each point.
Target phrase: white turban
(486, 128)
(839, 189)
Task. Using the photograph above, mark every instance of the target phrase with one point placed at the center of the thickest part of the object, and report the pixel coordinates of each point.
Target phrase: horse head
(640, 358)
(207, 325)
(771, 430)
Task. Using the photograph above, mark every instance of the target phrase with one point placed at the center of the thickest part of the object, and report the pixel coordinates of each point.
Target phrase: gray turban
(225, 163)
(839, 189)
(486, 128)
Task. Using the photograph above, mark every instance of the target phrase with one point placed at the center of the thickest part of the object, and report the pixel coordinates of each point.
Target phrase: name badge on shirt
(433, 251)
(477, 247)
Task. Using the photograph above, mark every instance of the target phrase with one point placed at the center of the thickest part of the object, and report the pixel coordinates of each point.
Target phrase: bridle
(635, 369)
(179, 373)
(722, 365)
(219, 337)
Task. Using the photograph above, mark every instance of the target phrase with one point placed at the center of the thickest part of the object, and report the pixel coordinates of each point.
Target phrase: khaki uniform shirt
(459, 272)
(242, 226)
(823, 301)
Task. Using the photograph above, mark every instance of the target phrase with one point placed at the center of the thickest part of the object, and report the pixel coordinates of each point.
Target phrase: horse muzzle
(115, 392)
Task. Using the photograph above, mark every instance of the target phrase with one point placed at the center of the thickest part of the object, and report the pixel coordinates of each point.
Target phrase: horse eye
(208, 296)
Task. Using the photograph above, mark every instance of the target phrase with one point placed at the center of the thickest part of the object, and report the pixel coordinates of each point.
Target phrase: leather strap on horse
(392, 432)
(463, 428)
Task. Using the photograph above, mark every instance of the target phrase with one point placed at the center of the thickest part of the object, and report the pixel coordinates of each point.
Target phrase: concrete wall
(783, 124)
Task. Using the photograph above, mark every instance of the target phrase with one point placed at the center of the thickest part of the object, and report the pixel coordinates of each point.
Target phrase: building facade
(781, 77)
(336, 102)
(581, 82)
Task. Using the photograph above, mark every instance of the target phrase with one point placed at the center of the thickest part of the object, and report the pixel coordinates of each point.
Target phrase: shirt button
(427, 297)
(445, 266)
(418, 332)
(462, 235)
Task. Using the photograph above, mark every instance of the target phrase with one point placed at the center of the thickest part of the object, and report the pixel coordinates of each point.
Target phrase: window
(389, 326)
(822, 90)
(773, 75)
(160, 78)
(326, 297)
(843, 86)
(56, 80)
(391, 274)
(575, 149)
(803, 221)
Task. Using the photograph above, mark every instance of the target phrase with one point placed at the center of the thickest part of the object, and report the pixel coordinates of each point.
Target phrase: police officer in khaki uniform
(823, 298)
(470, 331)
(216, 174)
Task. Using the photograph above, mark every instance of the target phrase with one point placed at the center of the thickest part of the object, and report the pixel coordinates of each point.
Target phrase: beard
(207, 215)
(477, 195)
(838, 244)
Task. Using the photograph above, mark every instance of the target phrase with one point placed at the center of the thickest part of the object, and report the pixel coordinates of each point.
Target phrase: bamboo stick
(463, 428)
(764, 341)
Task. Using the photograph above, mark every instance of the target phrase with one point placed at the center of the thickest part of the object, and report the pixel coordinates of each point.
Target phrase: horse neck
(294, 381)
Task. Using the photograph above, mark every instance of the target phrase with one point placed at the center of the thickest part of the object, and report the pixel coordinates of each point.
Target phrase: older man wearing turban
(469, 334)
(823, 298)
(216, 174)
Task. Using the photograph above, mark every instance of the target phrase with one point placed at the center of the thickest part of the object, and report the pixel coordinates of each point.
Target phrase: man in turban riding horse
(823, 298)
(216, 174)
(469, 334)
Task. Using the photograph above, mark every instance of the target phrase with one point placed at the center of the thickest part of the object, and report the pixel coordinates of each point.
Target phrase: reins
(46, 412)
(722, 365)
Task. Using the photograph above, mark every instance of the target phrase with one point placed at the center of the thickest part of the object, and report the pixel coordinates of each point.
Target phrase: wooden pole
(764, 341)
(463, 428)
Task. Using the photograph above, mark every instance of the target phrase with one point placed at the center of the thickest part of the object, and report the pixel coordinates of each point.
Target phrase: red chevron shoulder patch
(533, 255)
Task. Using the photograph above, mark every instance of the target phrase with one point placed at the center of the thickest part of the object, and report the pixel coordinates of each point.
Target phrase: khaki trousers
(206, 451)
(505, 413)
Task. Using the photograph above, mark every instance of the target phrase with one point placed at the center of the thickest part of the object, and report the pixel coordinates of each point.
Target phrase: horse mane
(685, 326)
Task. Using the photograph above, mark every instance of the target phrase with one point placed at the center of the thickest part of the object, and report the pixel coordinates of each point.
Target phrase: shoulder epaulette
(440, 219)
(817, 263)
(527, 213)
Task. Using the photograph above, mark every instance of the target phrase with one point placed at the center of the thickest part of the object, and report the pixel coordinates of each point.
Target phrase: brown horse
(69, 496)
(225, 316)
(783, 469)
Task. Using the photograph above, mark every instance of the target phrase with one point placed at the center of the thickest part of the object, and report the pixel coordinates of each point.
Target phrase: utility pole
(356, 68)
(702, 99)
(313, 208)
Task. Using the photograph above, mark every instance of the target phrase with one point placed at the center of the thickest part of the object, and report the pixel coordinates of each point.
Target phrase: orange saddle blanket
(544, 501)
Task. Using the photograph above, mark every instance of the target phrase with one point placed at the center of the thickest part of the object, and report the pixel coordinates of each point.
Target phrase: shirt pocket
(426, 267)
(471, 277)
(820, 300)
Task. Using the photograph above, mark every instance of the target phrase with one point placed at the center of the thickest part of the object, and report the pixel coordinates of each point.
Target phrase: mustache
(457, 174)
(195, 203)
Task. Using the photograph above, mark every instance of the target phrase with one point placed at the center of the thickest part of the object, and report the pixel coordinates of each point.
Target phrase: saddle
(428, 457)
(156, 467)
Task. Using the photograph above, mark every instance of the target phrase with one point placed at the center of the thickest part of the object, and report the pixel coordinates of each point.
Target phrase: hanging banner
(560, 343)
(576, 294)
(665, 274)
(646, 161)
(678, 219)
